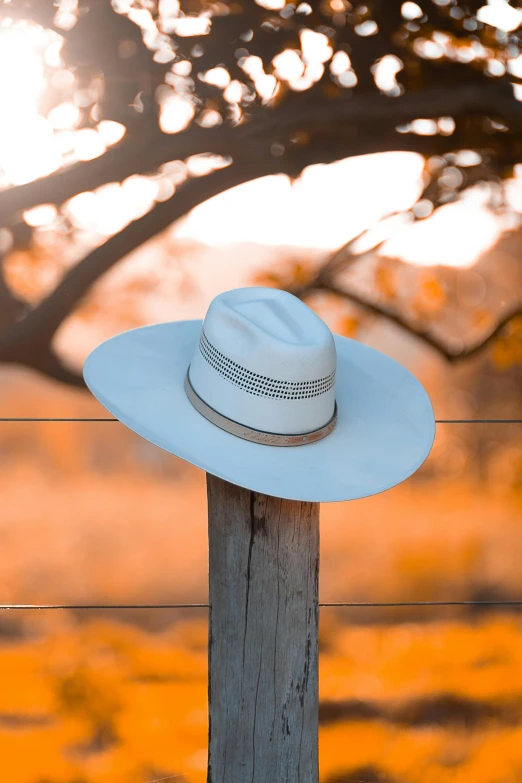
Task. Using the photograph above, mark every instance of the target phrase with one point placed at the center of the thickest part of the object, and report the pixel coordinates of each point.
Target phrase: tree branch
(423, 333)
(368, 117)
(324, 280)
(29, 338)
(50, 364)
(27, 341)
(340, 260)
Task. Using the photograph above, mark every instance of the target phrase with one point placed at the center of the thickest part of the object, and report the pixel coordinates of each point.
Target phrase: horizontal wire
(437, 421)
(353, 604)
(478, 421)
(177, 777)
(426, 603)
(25, 419)
(103, 606)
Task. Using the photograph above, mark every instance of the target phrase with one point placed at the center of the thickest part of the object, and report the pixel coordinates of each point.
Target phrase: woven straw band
(256, 436)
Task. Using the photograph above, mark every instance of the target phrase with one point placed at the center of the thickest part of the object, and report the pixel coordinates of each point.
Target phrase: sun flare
(28, 149)
(325, 207)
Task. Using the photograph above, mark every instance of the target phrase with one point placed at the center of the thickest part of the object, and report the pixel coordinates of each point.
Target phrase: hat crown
(266, 360)
(270, 332)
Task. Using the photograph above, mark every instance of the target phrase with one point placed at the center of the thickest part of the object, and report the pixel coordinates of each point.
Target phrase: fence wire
(76, 419)
(348, 604)
(329, 604)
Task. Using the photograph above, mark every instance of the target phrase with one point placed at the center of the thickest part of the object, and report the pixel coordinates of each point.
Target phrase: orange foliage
(348, 326)
(90, 513)
(386, 280)
(102, 701)
(507, 349)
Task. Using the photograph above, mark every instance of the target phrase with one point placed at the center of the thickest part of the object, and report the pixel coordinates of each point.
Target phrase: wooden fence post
(263, 651)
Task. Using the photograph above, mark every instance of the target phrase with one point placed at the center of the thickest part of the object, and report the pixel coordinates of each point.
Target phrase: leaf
(507, 349)
(433, 291)
(300, 273)
(348, 326)
(430, 298)
(269, 279)
(482, 318)
(386, 281)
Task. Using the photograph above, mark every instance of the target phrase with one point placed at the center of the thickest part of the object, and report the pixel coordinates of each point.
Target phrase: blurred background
(366, 157)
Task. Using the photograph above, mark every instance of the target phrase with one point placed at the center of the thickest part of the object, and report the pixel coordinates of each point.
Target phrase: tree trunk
(263, 683)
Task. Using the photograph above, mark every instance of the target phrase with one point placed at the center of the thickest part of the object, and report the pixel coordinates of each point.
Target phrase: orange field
(104, 701)
(92, 514)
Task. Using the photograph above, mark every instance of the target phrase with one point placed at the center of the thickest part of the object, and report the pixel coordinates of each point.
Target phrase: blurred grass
(100, 701)
(90, 513)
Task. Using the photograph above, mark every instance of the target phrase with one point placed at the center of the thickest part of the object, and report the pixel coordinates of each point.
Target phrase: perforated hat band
(256, 436)
(260, 385)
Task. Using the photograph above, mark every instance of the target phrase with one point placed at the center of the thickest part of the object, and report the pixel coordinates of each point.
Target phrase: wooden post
(263, 683)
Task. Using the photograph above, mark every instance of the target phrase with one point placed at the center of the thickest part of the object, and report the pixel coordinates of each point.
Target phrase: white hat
(263, 395)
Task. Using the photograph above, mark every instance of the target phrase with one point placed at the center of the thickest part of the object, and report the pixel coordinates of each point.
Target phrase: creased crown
(266, 360)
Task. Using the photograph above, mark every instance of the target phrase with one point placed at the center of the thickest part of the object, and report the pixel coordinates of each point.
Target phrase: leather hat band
(256, 436)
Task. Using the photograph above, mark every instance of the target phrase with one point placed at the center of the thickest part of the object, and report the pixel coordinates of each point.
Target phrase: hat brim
(384, 432)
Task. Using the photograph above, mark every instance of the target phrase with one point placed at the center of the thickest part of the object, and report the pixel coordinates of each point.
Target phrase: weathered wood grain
(263, 683)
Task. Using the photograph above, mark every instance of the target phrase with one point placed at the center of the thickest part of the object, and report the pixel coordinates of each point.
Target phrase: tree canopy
(259, 88)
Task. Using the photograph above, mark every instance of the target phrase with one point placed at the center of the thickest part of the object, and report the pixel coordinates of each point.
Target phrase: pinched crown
(266, 360)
